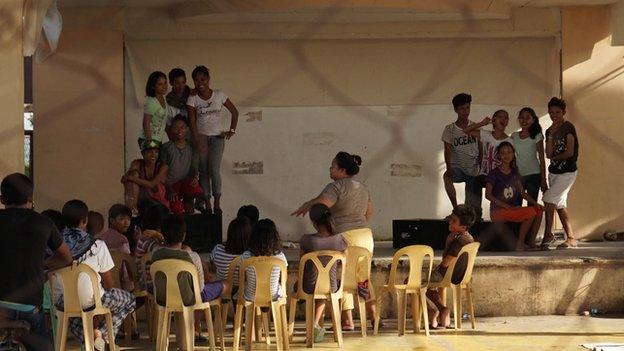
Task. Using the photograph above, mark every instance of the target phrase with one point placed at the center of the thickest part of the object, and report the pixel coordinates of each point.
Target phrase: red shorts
(185, 190)
(517, 214)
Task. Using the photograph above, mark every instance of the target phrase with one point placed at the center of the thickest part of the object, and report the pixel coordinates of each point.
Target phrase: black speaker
(430, 232)
(203, 231)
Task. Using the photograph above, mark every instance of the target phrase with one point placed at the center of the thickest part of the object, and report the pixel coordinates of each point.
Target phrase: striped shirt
(250, 287)
(222, 259)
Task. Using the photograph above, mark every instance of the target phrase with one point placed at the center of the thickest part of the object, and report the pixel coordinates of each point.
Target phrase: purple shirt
(504, 187)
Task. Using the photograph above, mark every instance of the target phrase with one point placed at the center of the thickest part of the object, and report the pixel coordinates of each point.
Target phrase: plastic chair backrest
(69, 277)
(172, 268)
(262, 266)
(123, 259)
(232, 269)
(145, 260)
(323, 279)
(470, 250)
(356, 257)
(416, 255)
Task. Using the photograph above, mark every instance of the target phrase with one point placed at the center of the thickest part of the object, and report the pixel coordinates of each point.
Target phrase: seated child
(95, 223)
(250, 212)
(324, 239)
(505, 191)
(145, 179)
(462, 218)
(149, 240)
(222, 255)
(264, 241)
(94, 253)
(119, 217)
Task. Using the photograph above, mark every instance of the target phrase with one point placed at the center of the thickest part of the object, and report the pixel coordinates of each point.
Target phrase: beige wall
(593, 85)
(78, 101)
(11, 88)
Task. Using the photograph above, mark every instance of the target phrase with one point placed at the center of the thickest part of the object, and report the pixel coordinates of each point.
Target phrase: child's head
(16, 190)
(179, 127)
(76, 214)
(56, 217)
(250, 212)
(528, 120)
(119, 217)
(461, 105)
(265, 240)
(507, 153)
(238, 234)
(500, 120)
(95, 223)
(462, 218)
(177, 79)
(321, 217)
(174, 229)
(556, 109)
(344, 165)
(156, 84)
(149, 150)
(201, 78)
(154, 217)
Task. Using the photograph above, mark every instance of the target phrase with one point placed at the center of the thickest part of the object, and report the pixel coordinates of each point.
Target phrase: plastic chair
(150, 310)
(414, 286)
(49, 308)
(172, 268)
(359, 261)
(122, 259)
(457, 287)
(227, 300)
(322, 291)
(72, 307)
(262, 266)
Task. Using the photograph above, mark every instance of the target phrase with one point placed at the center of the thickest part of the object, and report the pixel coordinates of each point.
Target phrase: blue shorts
(211, 291)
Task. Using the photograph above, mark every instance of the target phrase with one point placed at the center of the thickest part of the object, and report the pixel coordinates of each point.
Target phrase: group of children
(513, 168)
(182, 143)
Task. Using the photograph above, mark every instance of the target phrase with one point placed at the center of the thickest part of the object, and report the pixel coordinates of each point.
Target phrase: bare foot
(445, 317)
(433, 318)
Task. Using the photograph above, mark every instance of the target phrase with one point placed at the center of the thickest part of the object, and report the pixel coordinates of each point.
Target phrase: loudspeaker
(430, 232)
(203, 231)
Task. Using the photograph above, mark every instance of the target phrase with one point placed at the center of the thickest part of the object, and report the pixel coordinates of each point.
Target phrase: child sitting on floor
(462, 218)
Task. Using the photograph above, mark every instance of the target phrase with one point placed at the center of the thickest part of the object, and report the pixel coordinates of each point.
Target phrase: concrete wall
(11, 88)
(593, 85)
(78, 101)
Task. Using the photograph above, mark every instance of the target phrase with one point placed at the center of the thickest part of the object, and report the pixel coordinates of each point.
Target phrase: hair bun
(357, 159)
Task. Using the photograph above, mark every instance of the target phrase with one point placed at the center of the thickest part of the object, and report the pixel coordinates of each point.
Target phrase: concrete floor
(500, 333)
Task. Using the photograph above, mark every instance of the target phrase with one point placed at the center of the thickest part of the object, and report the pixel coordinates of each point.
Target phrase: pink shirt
(115, 240)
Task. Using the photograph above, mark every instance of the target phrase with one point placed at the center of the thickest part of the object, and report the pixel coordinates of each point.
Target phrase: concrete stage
(526, 283)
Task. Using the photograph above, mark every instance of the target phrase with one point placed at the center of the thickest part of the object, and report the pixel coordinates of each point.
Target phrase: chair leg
(423, 308)
(460, 313)
(277, 323)
(62, 328)
(159, 332)
(285, 334)
(127, 325)
(362, 312)
(336, 319)
(211, 333)
(309, 320)
(257, 336)
(291, 321)
(266, 326)
(250, 316)
(471, 307)
(415, 312)
(220, 327)
(225, 308)
(238, 321)
(401, 310)
(109, 328)
(87, 327)
(455, 308)
(188, 317)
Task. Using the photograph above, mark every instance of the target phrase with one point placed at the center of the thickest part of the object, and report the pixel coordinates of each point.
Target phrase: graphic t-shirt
(208, 112)
(560, 146)
(490, 158)
(526, 153)
(504, 187)
(160, 117)
(351, 202)
(464, 149)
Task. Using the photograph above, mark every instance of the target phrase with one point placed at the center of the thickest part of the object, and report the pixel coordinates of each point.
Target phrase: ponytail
(320, 215)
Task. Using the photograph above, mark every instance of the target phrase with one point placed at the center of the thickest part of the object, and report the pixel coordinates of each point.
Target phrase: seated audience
(324, 239)
(222, 255)
(25, 237)
(264, 241)
(250, 212)
(182, 179)
(94, 253)
(119, 217)
(145, 178)
(505, 191)
(149, 240)
(95, 223)
(462, 218)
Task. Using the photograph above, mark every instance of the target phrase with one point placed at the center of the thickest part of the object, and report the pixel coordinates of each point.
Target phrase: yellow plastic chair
(358, 269)
(72, 307)
(414, 286)
(322, 291)
(122, 259)
(150, 309)
(457, 287)
(172, 268)
(262, 266)
(227, 300)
